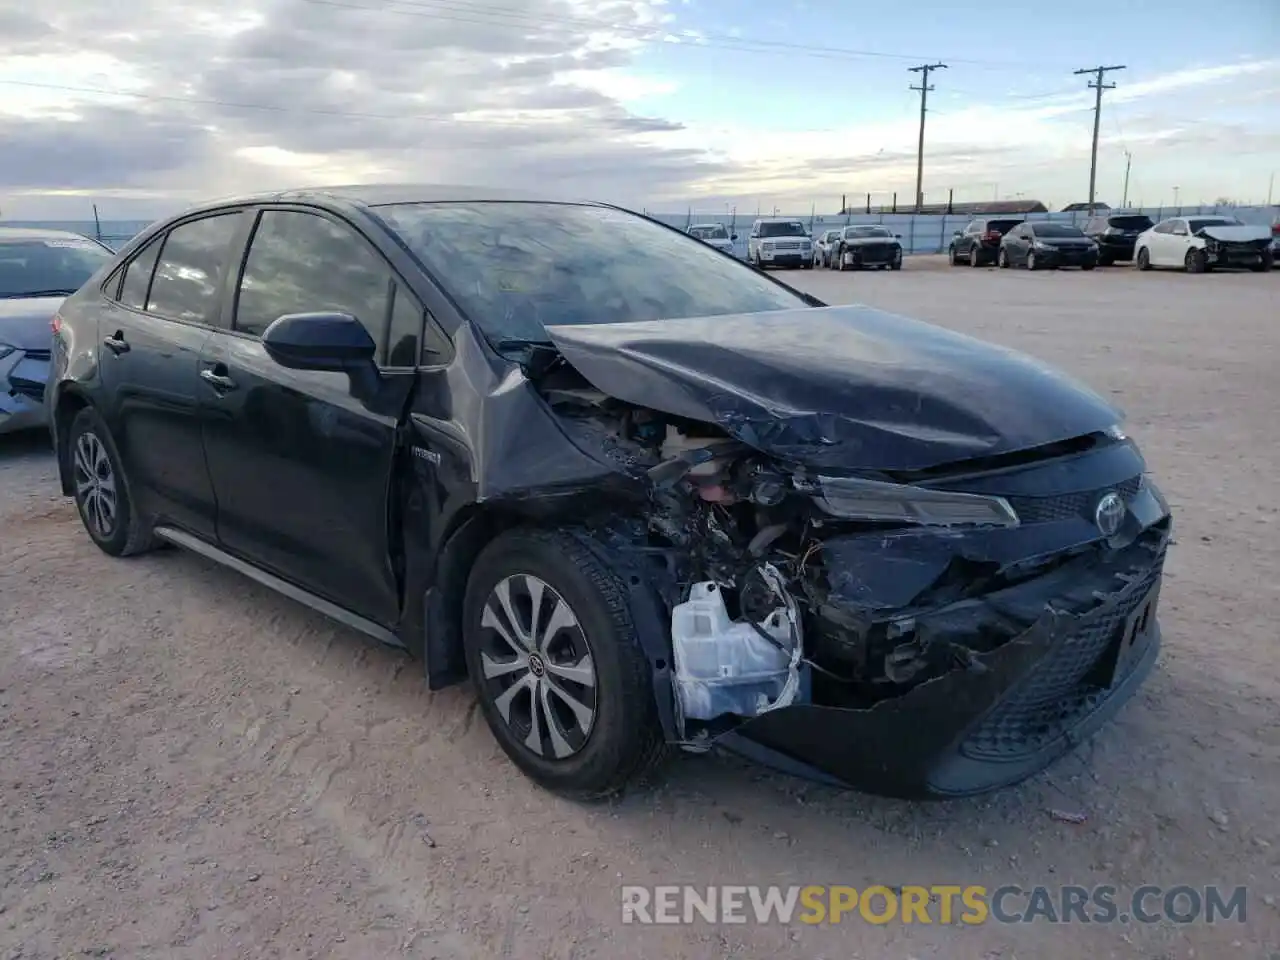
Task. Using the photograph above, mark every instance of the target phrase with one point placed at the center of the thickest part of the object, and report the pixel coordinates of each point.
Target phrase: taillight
(56, 323)
(993, 235)
(1275, 229)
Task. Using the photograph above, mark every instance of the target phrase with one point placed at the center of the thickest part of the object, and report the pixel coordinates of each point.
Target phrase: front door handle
(116, 343)
(219, 381)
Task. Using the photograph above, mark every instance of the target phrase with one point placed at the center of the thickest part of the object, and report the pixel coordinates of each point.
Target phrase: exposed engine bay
(772, 598)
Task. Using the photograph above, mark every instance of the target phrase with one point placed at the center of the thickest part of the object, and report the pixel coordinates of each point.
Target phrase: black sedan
(866, 246)
(1116, 235)
(638, 493)
(1045, 245)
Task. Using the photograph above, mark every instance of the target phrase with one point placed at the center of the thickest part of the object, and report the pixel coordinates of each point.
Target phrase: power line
(1097, 84)
(924, 70)
(448, 10)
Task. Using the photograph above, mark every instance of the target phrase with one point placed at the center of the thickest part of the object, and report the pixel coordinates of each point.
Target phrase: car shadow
(25, 443)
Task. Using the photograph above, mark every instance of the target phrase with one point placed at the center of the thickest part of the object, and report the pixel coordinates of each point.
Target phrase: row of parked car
(788, 243)
(1196, 244)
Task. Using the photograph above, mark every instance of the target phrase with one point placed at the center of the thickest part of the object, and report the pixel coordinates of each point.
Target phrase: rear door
(302, 468)
(153, 326)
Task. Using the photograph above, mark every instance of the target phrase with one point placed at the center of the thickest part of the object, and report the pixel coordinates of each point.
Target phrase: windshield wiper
(59, 292)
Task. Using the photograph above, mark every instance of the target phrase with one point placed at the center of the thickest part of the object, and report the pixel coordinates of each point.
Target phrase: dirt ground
(192, 766)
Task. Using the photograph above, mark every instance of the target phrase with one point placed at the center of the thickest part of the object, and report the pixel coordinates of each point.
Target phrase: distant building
(959, 209)
(1084, 207)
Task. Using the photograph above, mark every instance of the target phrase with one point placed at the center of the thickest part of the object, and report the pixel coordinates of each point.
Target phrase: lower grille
(1058, 692)
(875, 251)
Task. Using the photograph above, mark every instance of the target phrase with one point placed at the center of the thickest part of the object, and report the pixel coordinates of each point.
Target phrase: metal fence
(921, 233)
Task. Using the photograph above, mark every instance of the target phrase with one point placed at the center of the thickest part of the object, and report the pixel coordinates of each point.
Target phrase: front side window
(49, 267)
(305, 263)
(516, 268)
(190, 271)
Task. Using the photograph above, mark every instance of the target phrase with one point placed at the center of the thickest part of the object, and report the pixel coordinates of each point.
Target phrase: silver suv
(780, 243)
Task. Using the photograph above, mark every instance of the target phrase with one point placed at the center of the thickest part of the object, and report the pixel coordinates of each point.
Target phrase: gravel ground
(195, 767)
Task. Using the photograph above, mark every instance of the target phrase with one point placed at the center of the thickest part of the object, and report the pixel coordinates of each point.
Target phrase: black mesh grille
(1068, 505)
(1056, 693)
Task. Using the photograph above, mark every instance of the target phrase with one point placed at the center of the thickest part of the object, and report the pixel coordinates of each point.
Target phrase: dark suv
(636, 491)
(1116, 235)
(979, 242)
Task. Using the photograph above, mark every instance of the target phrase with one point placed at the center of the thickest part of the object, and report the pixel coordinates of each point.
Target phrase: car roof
(38, 233)
(693, 225)
(380, 194)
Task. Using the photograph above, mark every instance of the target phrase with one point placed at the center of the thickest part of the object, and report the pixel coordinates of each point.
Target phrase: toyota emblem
(1108, 514)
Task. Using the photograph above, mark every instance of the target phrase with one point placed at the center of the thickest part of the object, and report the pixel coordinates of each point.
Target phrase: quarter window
(192, 260)
(137, 276)
(305, 263)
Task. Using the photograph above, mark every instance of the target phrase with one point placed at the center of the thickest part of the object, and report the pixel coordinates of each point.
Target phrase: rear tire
(101, 489)
(582, 720)
(1031, 260)
(1267, 265)
(974, 259)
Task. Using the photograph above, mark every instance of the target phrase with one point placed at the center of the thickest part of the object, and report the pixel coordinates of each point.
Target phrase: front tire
(1267, 265)
(1002, 259)
(1196, 262)
(974, 259)
(1143, 259)
(557, 664)
(1031, 260)
(101, 489)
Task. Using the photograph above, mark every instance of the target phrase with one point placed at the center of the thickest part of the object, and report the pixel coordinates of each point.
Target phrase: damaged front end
(938, 630)
(1237, 246)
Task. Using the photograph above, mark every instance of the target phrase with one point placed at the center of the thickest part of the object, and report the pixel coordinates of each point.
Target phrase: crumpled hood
(1241, 234)
(24, 322)
(846, 387)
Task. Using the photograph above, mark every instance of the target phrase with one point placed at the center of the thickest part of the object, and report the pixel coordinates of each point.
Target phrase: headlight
(856, 499)
(1116, 432)
(5, 350)
(768, 244)
(1041, 246)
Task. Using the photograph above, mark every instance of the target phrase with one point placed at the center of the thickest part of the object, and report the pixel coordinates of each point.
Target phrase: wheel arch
(439, 638)
(70, 401)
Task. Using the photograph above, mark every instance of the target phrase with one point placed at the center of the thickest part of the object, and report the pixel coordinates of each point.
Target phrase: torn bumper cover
(998, 716)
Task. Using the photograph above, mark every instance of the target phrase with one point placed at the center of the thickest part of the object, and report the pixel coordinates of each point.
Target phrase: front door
(153, 330)
(301, 466)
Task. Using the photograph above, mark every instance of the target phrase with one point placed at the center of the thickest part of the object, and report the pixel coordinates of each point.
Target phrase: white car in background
(1199, 244)
(823, 246)
(714, 235)
(777, 242)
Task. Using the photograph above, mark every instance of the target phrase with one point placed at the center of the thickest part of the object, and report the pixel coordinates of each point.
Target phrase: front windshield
(851, 232)
(50, 267)
(516, 268)
(712, 232)
(1056, 230)
(788, 228)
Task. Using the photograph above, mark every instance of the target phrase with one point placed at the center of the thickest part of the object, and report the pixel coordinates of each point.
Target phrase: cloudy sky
(143, 107)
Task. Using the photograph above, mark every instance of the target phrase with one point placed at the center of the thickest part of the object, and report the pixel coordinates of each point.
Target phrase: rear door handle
(220, 382)
(116, 343)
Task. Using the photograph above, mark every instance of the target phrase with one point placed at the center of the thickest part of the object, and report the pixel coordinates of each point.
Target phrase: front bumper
(873, 256)
(785, 258)
(1056, 257)
(23, 375)
(1006, 713)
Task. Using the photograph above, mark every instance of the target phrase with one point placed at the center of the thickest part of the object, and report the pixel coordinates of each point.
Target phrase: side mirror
(319, 341)
(898, 236)
(733, 236)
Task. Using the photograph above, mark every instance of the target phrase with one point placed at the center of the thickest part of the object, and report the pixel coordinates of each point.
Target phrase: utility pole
(924, 70)
(1128, 159)
(1098, 85)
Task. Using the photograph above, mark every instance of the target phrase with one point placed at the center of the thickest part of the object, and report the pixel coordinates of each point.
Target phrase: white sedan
(1198, 244)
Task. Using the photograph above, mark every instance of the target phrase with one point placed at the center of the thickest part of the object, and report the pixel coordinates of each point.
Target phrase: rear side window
(190, 271)
(1130, 223)
(305, 263)
(137, 276)
(1002, 226)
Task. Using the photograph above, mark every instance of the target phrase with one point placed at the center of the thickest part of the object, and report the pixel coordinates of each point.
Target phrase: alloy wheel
(537, 666)
(95, 482)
